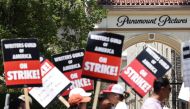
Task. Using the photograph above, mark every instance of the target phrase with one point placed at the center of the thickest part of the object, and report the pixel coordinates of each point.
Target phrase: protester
(22, 101)
(19, 102)
(116, 95)
(78, 98)
(161, 92)
(104, 102)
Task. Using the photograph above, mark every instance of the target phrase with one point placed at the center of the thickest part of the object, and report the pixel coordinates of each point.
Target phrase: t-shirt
(165, 107)
(151, 103)
(121, 105)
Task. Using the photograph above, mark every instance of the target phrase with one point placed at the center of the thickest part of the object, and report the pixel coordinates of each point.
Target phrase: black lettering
(121, 20)
(186, 52)
(163, 19)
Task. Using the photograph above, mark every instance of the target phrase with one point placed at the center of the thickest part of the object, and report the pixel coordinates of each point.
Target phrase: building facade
(162, 24)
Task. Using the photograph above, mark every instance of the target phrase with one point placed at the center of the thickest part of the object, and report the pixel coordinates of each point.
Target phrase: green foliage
(42, 19)
(76, 20)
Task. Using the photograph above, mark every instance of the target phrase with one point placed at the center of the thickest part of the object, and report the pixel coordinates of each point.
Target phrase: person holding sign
(161, 92)
(116, 95)
(78, 98)
(104, 102)
(22, 101)
(19, 102)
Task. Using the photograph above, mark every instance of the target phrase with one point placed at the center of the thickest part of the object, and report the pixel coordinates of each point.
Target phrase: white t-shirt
(151, 103)
(165, 107)
(121, 105)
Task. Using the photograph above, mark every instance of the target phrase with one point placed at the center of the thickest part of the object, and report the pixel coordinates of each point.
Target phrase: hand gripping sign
(21, 62)
(70, 63)
(142, 71)
(54, 82)
(103, 56)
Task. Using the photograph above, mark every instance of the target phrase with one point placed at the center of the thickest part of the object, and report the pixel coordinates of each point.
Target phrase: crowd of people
(113, 97)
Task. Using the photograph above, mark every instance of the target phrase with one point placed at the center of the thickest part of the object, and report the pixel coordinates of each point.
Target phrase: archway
(154, 37)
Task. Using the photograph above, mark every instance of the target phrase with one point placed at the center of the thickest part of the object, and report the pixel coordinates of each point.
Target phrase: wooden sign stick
(1, 78)
(98, 84)
(26, 98)
(7, 100)
(63, 101)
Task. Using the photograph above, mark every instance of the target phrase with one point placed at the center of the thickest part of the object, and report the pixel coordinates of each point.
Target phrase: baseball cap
(115, 88)
(22, 97)
(78, 95)
(80, 91)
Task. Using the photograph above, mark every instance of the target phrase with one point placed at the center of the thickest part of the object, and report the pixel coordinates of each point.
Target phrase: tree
(44, 19)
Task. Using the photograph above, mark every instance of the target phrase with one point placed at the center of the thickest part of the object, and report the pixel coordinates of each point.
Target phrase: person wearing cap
(160, 93)
(78, 98)
(116, 94)
(19, 102)
(103, 101)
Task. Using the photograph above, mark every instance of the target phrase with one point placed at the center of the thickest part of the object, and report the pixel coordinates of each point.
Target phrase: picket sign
(144, 69)
(97, 91)
(185, 59)
(21, 62)
(184, 93)
(102, 57)
(63, 101)
(26, 98)
(70, 64)
(54, 82)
